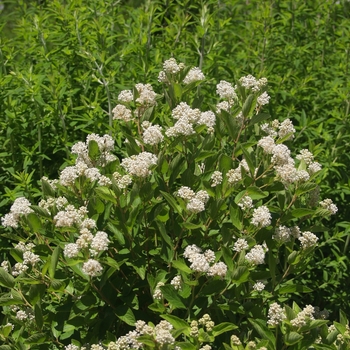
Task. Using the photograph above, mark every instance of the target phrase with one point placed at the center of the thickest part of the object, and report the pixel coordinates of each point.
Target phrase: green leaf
(106, 194)
(248, 106)
(213, 287)
(240, 274)
(5, 347)
(236, 216)
(227, 255)
(177, 323)
(39, 320)
(293, 288)
(11, 301)
(172, 202)
(117, 234)
(34, 222)
(36, 293)
(171, 295)
(263, 330)
(94, 151)
(125, 314)
(6, 279)
(304, 188)
(180, 265)
(146, 340)
(36, 338)
(257, 118)
(292, 338)
(47, 189)
(223, 327)
(301, 212)
(253, 192)
(54, 261)
(186, 346)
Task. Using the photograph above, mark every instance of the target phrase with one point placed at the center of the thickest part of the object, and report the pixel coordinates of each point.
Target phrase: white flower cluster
(176, 282)
(250, 82)
(120, 112)
(216, 178)
(256, 256)
(21, 206)
(186, 118)
(125, 96)
(70, 216)
(92, 268)
(261, 217)
(282, 234)
(328, 205)
(147, 97)
(52, 183)
(122, 181)
(97, 243)
(139, 165)
(259, 286)
(200, 262)
(283, 163)
(194, 75)
(276, 315)
(226, 91)
(29, 258)
(308, 240)
(235, 175)
(160, 332)
(157, 293)
(152, 134)
(245, 203)
(207, 322)
(48, 204)
(84, 166)
(171, 68)
(240, 244)
(307, 314)
(196, 201)
(263, 99)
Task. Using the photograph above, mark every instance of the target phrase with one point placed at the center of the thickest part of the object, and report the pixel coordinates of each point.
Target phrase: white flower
(303, 316)
(92, 268)
(176, 282)
(218, 269)
(157, 294)
(147, 97)
(306, 156)
(71, 347)
(185, 193)
(225, 90)
(259, 286)
(267, 143)
(261, 217)
(314, 167)
(307, 240)
(138, 165)
(21, 206)
(282, 234)
(170, 66)
(276, 315)
(245, 203)
(153, 135)
(328, 204)
(256, 256)
(100, 242)
(207, 118)
(286, 128)
(241, 244)
(263, 99)
(195, 74)
(120, 112)
(281, 155)
(195, 205)
(216, 178)
(125, 96)
(71, 250)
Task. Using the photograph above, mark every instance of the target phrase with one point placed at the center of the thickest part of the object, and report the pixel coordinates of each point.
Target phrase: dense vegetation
(64, 63)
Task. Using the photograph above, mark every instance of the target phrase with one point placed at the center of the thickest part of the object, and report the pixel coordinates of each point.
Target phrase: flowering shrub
(190, 235)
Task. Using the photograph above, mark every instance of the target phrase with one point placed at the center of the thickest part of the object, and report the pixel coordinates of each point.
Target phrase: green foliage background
(63, 63)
